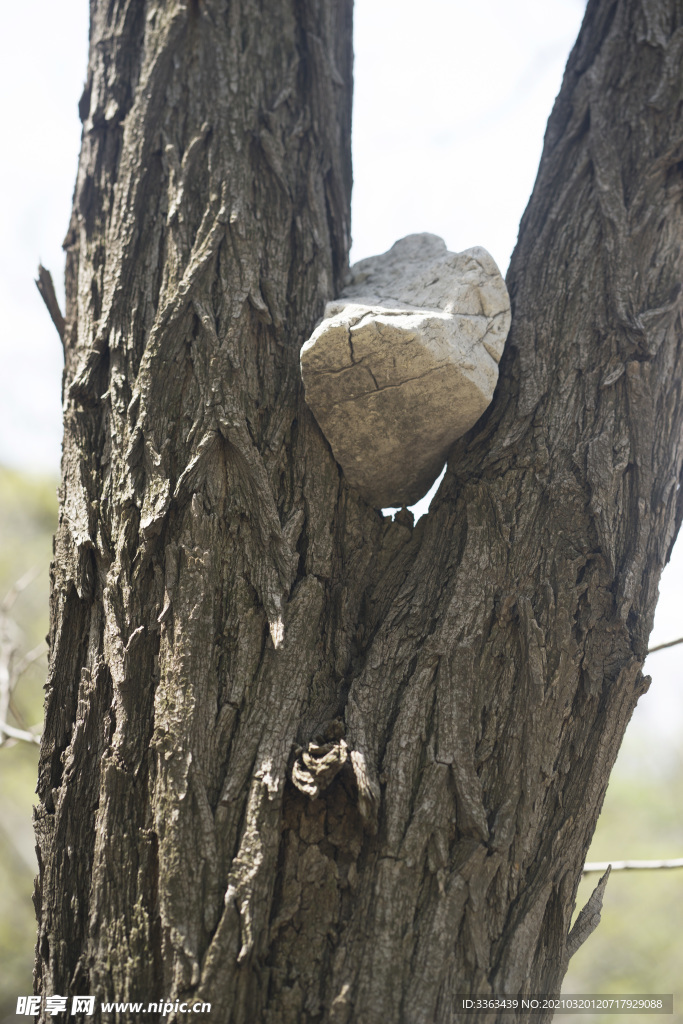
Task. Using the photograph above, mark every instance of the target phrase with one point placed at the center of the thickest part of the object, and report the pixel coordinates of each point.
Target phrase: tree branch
(670, 643)
(17, 734)
(9, 672)
(13, 593)
(46, 288)
(631, 865)
(589, 918)
(38, 651)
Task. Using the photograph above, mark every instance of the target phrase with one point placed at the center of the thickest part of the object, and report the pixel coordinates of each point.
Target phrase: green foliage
(28, 517)
(637, 948)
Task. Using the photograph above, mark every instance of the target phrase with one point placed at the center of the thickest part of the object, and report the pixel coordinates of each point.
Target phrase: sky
(450, 106)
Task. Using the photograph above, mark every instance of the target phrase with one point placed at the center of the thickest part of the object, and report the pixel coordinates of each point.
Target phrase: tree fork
(299, 761)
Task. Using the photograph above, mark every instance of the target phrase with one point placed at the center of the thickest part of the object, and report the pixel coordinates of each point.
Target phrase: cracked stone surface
(405, 362)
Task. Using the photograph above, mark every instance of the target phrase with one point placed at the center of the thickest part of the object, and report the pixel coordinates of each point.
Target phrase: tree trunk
(300, 761)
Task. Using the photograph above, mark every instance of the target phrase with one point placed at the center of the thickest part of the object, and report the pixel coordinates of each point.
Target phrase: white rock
(405, 362)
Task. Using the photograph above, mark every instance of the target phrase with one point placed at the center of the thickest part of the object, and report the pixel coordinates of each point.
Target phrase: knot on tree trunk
(316, 766)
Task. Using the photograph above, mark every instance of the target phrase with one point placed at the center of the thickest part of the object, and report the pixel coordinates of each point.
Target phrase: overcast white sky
(450, 107)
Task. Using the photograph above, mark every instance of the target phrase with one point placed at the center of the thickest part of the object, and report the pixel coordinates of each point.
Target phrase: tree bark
(300, 761)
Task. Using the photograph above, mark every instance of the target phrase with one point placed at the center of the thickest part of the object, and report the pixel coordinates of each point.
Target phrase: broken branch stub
(405, 362)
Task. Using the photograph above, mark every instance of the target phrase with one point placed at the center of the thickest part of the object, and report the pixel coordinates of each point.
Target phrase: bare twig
(8, 647)
(632, 865)
(589, 918)
(47, 291)
(38, 651)
(22, 850)
(660, 647)
(17, 734)
(14, 591)
(9, 672)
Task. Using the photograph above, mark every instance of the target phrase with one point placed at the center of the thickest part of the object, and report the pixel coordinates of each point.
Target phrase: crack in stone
(351, 352)
(374, 379)
(495, 354)
(358, 362)
(390, 387)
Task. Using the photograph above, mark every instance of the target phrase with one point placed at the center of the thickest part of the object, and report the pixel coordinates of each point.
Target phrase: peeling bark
(302, 762)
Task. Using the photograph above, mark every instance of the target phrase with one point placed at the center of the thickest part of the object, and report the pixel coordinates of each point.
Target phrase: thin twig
(21, 849)
(632, 865)
(660, 647)
(16, 674)
(16, 588)
(28, 659)
(17, 734)
(8, 648)
(47, 290)
(9, 673)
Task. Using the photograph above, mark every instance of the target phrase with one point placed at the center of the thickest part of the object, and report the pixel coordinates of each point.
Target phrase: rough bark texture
(301, 761)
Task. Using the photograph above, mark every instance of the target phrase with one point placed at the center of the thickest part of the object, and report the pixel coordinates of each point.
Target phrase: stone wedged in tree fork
(480, 667)
(405, 362)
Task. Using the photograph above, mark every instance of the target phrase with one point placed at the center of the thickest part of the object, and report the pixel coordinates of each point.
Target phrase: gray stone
(405, 362)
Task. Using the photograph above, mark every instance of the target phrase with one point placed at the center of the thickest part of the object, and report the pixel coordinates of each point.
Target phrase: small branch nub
(46, 288)
(589, 918)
